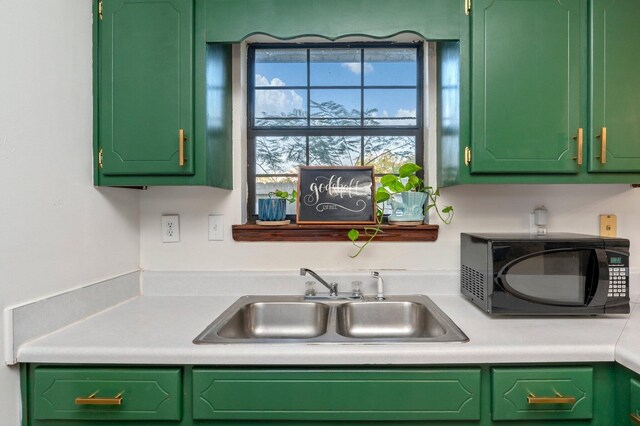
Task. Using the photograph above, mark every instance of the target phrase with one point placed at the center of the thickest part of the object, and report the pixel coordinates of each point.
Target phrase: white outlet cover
(216, 227)
(170, 228)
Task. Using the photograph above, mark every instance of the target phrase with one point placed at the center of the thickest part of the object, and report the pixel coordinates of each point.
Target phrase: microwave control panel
(618, 280)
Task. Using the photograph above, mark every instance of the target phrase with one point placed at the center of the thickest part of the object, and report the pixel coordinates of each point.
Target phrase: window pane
(280, 155)
(390, 67)
(280, 107)
(335, 67)
(281, 67)
(333, 107)
(387, 153)
(265, 185)
(334, 150)
(390, 107)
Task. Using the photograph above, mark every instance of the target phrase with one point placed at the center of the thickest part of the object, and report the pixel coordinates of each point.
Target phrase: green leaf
(388, 180)
(447, 209)
(413, 182)
(382, 195)
(397, 186)
(353, 234)
(408, 169)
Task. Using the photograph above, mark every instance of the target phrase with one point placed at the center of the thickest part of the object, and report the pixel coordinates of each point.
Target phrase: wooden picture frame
(336, 195)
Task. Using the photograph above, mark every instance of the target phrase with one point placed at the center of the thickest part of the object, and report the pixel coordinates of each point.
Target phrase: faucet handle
(356, 288)
(310, 290)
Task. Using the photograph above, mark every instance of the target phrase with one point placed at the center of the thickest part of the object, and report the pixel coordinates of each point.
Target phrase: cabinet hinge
(100, 158)
(467, 155)
(100, 9)
(467, 7)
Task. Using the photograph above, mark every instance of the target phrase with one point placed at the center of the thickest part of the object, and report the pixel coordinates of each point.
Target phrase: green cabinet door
(118, 394)
(634, 401)
(553, 393)
(527, 81)
(615, 86)
(337, 395)
(145, 87)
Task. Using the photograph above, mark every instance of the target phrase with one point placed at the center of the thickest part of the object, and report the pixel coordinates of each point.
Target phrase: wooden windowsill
(294, 232)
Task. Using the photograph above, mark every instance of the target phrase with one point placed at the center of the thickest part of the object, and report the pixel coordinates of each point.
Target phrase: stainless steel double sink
(292, 319)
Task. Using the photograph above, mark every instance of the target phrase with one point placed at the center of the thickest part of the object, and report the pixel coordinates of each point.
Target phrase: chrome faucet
(333, 287)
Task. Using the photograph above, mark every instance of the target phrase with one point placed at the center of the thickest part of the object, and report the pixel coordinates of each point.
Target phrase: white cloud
(354, 67)
(264, 81)
(275, 102)
(406, 113)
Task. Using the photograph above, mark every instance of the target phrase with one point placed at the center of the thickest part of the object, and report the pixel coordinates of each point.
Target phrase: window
(331, 105)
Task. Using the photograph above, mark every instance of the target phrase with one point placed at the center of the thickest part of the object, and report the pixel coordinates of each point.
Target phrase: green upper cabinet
(146, 91)
(615, 83)
(527, 77)
(162, 100)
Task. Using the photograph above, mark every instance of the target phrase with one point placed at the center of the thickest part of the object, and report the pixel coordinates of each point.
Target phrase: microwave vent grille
(473, 282)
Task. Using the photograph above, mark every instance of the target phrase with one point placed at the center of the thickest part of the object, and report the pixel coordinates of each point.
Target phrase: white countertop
(160, 329)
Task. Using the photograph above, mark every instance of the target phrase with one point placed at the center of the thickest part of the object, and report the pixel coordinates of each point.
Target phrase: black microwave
(553, 274)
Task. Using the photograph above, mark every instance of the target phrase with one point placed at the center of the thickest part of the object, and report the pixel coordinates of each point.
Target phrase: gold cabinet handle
(635, 418)
(579, 137)
(182, 138)
(558, 399)
(467, 156)
(603, 145)
(93, 400)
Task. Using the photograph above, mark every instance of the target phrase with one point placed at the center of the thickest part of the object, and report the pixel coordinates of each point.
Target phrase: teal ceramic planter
(407, 207)
(272, 209)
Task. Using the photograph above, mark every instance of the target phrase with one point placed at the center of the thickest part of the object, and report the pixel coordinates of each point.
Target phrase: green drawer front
(634, 402)
(512, 386)
(452, 394)
(147, 394)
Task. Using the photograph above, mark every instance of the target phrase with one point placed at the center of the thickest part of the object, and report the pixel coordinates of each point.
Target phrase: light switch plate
(608, 225)
(216, 227)
(170, 228)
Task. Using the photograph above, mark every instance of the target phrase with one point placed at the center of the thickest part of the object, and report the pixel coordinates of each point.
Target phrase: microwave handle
(602, 285)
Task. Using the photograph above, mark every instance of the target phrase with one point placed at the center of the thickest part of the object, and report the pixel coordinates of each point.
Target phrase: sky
(345, 71)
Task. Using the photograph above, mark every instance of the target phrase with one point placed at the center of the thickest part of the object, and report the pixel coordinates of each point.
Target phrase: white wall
(499, 208)
(58, 231)
(496, 208)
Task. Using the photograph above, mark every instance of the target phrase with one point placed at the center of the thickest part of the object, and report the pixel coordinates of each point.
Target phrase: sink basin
(277, 320)
(292, 319)
(387, 320)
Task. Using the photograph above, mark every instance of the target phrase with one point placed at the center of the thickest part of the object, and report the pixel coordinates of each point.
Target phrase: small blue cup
(272, 209)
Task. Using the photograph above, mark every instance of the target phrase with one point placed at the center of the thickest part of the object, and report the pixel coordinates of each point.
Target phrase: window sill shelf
(293, 232)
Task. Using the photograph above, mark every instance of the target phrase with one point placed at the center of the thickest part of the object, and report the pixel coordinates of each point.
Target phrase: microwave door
(600, 279)
(563, 277)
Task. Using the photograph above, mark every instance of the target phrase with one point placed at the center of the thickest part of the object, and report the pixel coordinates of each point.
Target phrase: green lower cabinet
(634, 401)
(479, 395)
(447, 394)
(542, 393)
(107, 394)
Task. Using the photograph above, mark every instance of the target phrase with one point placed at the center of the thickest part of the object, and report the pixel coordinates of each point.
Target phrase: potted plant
(273, 210)
(408, 197)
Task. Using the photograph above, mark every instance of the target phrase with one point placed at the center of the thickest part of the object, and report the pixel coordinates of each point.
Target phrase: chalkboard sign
(336, 195)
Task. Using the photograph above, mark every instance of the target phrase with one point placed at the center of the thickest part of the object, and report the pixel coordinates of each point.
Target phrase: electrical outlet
(216, 227)
(170, 228)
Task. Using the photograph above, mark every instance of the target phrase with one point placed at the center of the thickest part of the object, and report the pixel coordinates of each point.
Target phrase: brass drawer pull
(558, 399)
(635, 418)
(92, 400)
(182, 138)
(579, 138)
(603, 145)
